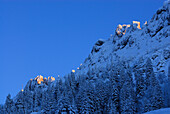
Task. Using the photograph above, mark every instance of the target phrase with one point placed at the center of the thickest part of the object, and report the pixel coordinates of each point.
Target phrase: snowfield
(160, 111)
(35, 113)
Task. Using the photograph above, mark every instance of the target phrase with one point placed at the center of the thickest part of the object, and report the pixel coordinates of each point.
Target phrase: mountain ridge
(152, 34)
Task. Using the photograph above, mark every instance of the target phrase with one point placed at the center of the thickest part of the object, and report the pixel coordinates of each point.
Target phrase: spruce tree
(2, 109)
(153, 89)
(127, 93)
(8, 104)
(114, 99)
(140, 90)
(20, 104)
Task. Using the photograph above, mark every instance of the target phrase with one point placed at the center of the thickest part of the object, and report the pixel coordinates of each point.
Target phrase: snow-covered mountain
(152, 41)
(128, 73)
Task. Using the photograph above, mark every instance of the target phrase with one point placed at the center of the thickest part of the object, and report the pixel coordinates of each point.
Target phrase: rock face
(121, 29)
(159, 21)
(131, 43)
(97, 46)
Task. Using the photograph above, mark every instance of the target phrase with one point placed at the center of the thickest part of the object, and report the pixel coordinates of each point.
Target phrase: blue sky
(52, 37)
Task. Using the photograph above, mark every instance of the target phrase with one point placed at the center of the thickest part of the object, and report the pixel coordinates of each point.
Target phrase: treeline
(118, 88)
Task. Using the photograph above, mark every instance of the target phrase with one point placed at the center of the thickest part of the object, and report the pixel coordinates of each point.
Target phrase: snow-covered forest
(118, 89)
(128, 73)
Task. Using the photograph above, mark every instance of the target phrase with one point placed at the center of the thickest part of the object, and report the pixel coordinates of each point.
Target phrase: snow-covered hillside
(152, 41)
(128, 73)
(160, 111)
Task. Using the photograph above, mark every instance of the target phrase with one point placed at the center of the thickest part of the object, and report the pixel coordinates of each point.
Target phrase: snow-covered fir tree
(9, 104)
(153, 89)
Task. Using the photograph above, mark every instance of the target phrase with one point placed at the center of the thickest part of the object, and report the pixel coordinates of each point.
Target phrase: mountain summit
(128, 73)
(134, 43)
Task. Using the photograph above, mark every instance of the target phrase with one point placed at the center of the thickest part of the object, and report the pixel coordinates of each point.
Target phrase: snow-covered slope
(160, 111)
(35, 113)
(151, 41)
